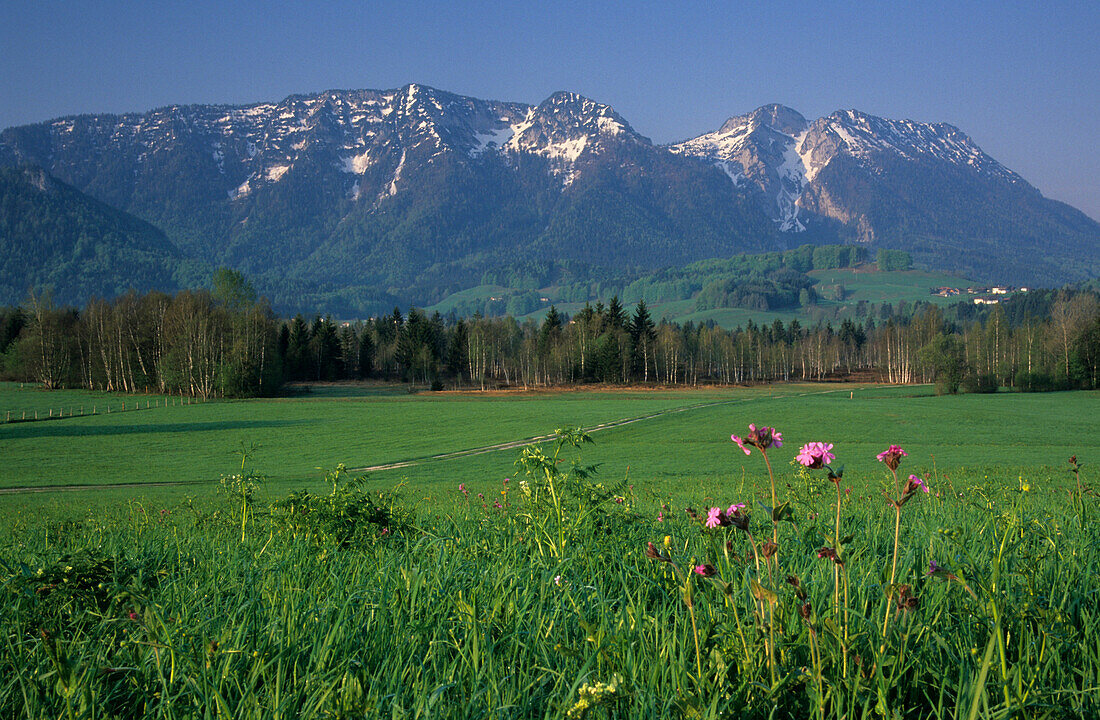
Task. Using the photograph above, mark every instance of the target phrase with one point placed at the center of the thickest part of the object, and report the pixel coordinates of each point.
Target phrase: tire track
(611, 424)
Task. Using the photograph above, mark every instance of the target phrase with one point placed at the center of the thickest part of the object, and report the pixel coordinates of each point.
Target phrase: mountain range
(352, 201)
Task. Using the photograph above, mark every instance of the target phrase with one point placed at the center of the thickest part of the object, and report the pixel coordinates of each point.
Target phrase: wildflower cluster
(593, 695)
(717, 517)
(766, 585)
(816, 455)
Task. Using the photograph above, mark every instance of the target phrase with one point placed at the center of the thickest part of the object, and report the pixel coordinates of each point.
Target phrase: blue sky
(1023, 79)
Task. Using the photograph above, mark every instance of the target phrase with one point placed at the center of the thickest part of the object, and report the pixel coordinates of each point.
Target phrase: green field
(135, 602)
(362, 426)
(20, 401)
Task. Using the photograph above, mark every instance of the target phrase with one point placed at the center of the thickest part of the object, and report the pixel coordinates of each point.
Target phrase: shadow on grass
(60, 429)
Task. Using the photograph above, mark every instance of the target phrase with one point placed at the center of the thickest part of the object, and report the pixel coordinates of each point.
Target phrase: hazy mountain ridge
(410, 193)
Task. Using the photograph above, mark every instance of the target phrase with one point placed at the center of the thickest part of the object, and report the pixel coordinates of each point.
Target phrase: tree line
(225, 342)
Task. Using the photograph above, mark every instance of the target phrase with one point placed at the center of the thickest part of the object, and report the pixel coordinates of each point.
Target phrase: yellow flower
(668, 541)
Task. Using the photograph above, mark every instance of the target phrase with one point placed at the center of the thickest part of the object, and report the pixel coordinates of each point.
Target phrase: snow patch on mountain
(733, 169)
(357, 164)
(391, 189)
(491, 139)
(792, 179)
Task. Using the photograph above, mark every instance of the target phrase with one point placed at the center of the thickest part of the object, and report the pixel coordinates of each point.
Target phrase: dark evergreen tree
(458, 360)
(348, 353)
(609, 358)
(642, 336)
(616, 318)
(365, 361)
(12, 320)
(297, 354)
(324, 349)
(417, 352)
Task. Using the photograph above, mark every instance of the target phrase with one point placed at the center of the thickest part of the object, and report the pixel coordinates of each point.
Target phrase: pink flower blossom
(705, 570)
(714, 517)
(816, 455)
(892, 456)
(462, 488)
(763, 438)
(735, 508)
(915, 482)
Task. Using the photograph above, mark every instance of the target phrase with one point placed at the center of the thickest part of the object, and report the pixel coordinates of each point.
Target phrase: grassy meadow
(283, 595)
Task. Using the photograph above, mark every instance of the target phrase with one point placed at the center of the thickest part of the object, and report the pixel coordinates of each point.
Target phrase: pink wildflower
(462, 488)
(705, 570)
(816, 455)
(892, 456)
(914, 483)
(763, 438)
(740, 444)
(714, 517)
(735, 508)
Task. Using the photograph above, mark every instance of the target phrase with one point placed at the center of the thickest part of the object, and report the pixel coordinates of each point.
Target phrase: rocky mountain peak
(779, 118)
(566, 126)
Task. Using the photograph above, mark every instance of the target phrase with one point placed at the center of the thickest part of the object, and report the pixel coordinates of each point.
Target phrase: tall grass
(453, 611)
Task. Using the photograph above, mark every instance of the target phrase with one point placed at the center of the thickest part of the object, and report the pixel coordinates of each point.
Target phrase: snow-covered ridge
(863, 135)
(775, 149)
(380, 139)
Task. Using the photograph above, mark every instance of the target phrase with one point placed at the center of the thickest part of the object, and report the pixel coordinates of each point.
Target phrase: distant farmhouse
(984, 293)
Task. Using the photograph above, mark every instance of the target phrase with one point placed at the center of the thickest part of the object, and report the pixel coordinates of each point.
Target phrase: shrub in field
(58, 596)
(560, 495)
(346, 516)
(980, 383)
